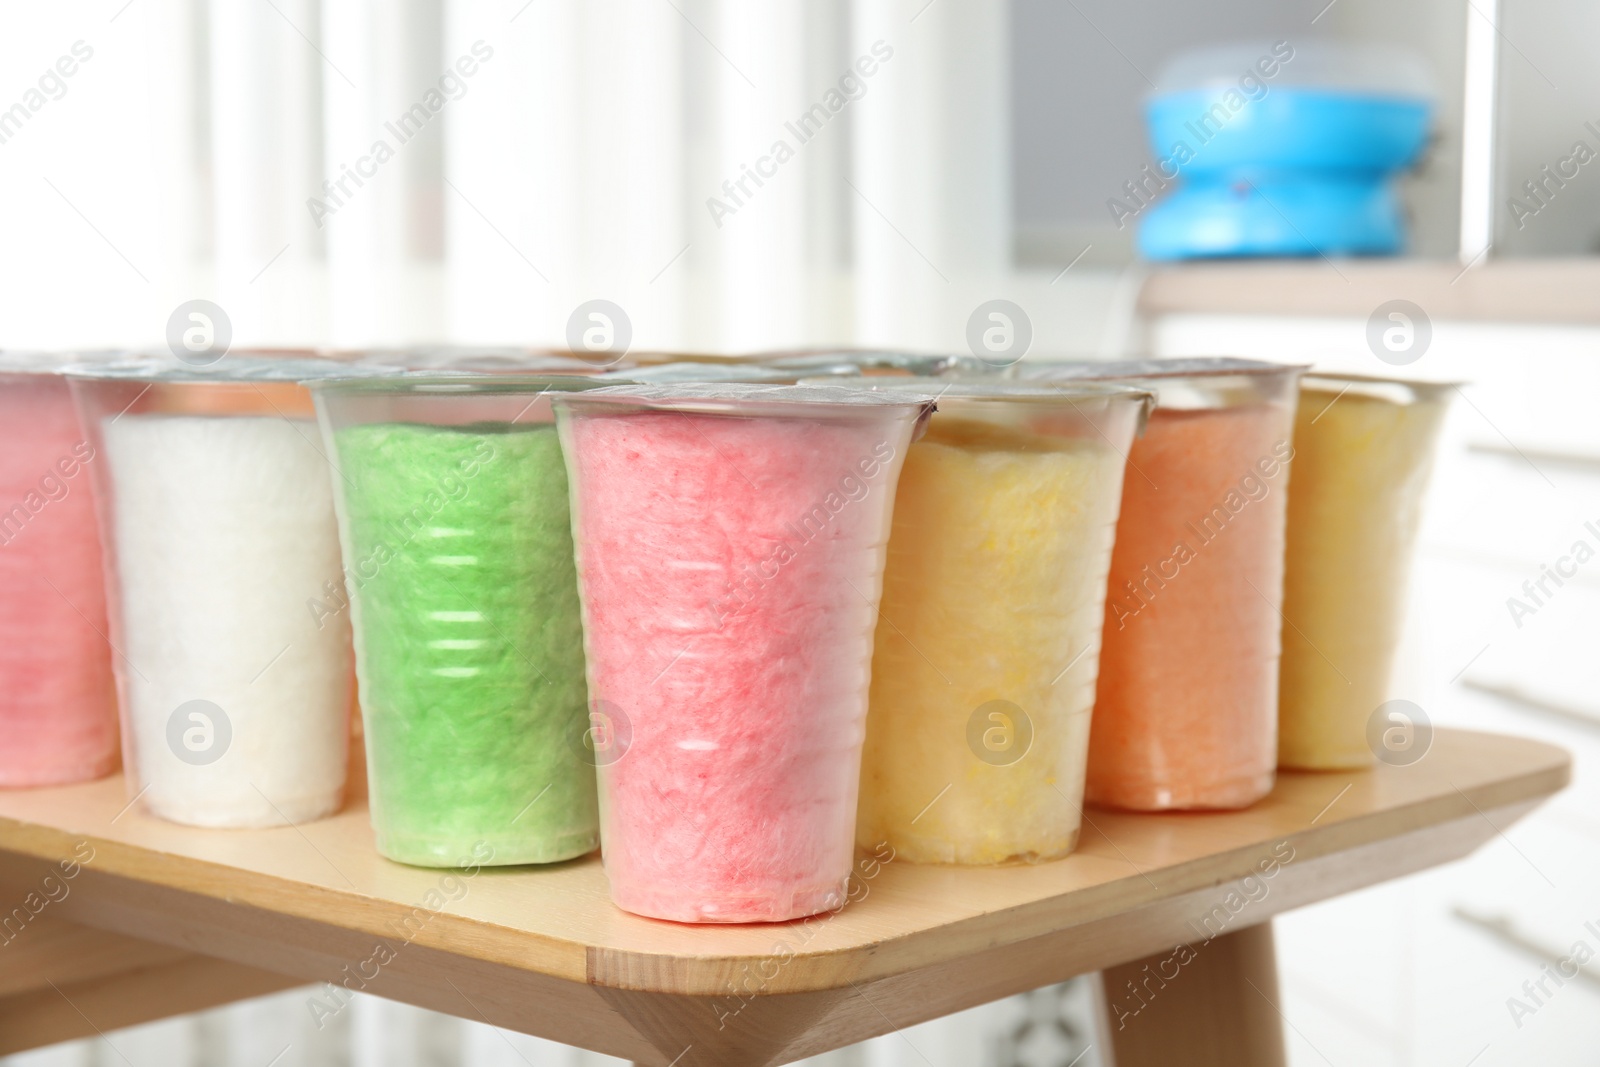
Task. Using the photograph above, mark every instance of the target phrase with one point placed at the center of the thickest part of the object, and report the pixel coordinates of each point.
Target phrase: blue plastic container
(1283, 214)
(1290, 164)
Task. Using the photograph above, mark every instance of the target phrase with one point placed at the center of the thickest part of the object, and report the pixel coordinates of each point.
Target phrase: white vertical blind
(932, 167)
(265, 102)
(758, 255)
(173, 166)
(383, 161)
(1479, 105)
(514, 215)
(267, 156)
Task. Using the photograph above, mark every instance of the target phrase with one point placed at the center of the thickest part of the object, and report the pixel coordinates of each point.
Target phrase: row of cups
(726, 621)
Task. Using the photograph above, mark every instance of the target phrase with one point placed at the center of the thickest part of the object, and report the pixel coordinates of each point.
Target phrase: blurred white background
(579, 158)
(181, 158)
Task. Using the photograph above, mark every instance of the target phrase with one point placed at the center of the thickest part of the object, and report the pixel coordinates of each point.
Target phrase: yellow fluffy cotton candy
(1361, 465)
(983, 673)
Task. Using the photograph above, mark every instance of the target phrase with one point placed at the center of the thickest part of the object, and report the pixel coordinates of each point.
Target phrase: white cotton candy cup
(234, 665)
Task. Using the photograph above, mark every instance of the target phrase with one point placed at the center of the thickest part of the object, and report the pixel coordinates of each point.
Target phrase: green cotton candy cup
(469, 645)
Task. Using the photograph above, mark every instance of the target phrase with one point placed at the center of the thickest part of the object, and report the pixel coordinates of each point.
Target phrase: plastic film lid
(229, 369)
(1194, 383)
(452, 359)
(650, 357)
(728, 372)
(421, 384)
(989, 399)
(818, 360)
(25, 361)
(1190, 366)
(1394, 390)
(1354, 67)
(743, 400)
(913, 363)
(956, 390)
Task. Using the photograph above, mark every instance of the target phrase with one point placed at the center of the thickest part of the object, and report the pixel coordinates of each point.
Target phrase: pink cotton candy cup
(58, 713)
(730, 544)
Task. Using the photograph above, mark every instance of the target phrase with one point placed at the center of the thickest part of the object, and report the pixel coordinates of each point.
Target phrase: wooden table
(117, 918)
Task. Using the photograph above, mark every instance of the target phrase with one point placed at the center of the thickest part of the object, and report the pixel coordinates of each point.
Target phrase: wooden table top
(558, 921)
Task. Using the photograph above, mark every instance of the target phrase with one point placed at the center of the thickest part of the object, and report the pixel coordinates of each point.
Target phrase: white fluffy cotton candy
(224, 529)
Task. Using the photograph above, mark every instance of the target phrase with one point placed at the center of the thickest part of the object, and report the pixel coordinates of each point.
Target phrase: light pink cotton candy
(57, 703)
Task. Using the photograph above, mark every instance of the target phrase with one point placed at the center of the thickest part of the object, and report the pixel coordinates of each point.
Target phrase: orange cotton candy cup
(1186, 710)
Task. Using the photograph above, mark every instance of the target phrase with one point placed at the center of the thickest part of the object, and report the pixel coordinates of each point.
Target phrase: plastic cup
(730, 544)
(1363, 454)
(58, 709)
(222, 557)
(1186, 708)
(469, 646)
(983, 673)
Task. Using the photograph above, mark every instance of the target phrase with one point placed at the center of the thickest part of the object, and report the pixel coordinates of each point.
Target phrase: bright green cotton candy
(468, 643)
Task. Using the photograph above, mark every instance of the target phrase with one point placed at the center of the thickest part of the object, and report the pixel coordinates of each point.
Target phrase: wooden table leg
(1210, 1004)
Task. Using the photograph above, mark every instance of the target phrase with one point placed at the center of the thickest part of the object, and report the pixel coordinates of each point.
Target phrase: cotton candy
(469, 642)
(993, 598)
(731, 570)
(1186, 711)
(57, 701)
(225, 542)
(1361, 465)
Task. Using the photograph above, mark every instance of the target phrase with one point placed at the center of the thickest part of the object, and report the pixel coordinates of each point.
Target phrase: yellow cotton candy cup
(1363, 454)
(983, 673)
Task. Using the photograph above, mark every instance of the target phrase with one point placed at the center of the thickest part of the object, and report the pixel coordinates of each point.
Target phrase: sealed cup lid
(1188, 367)
(231, 369)
(1186, 384)
(873, 362)
(419, 383)
(743, 400)
(475, 359)
(1006, 402)
(1394, 390)
(26, 361)
(460, 400)
(773, 373)
(650, 357)
(1009, 390)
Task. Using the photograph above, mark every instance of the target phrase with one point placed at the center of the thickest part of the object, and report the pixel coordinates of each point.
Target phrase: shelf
(1556, 291)
(543, 950)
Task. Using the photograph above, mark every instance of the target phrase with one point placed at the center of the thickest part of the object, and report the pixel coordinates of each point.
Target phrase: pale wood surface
(1215, 1007)
(1520, 290)
(543, 950)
